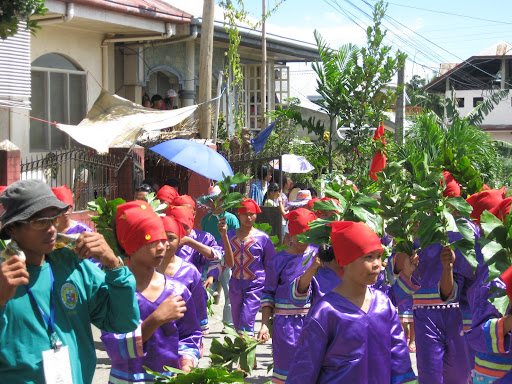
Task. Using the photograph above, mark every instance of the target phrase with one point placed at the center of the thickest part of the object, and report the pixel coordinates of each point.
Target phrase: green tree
(456, 144)
(353, 85)
(14, 11)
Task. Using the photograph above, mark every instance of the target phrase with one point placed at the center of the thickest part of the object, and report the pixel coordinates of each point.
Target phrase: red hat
(64, 194)
(173, 225)
(506, 277)
(183, 214)
(137, 225)
(249, 206)
(312, 202)
(502, 209)
(351, 240)
(167, 194)
(485, 200)
(452, 186)
(298, 220)
(184, 200)
(2, 188)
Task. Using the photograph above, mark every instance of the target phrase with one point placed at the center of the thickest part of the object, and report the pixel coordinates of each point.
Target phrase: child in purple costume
(353, 334)
(249, 253)
(169, 333)
(281, 294)
(442, 353)
(182, 271)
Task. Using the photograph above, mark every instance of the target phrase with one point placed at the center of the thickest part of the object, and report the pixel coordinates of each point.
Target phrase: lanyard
(50, 321)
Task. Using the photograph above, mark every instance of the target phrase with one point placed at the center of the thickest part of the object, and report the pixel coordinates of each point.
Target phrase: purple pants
(441, 349)
(245, 297)
(285, 335)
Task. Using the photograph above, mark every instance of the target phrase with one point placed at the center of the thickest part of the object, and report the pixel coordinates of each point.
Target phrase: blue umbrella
(196, 157)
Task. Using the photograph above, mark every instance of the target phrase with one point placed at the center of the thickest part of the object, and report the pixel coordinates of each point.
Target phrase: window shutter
(15, 69)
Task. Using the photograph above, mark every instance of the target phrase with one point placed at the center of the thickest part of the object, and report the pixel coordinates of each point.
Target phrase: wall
(63, 40)
(502, 113)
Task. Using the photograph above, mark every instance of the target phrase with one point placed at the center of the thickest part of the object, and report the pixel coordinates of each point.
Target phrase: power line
(452, 14)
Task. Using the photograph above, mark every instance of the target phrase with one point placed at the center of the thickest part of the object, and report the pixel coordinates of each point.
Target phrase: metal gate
(86, 173)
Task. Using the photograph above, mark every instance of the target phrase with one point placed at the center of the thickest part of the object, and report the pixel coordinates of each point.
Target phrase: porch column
(133, 74)
(189, 93)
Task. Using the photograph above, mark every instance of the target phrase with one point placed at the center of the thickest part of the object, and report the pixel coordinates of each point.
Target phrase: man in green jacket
(49, 297)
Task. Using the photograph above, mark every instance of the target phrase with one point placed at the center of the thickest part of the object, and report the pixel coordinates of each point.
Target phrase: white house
(474, 80)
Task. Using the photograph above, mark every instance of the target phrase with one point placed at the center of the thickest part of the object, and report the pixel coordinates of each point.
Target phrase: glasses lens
(44, 222)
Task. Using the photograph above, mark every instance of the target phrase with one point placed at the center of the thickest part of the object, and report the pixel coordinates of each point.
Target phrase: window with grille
(58, 95)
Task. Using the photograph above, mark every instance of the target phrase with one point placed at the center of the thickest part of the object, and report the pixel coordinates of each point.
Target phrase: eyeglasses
(42, 222)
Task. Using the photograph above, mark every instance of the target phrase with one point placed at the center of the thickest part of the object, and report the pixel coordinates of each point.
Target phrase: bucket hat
(23, 199)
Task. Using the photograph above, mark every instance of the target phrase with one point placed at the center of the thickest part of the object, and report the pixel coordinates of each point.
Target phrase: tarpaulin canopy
(113, 120)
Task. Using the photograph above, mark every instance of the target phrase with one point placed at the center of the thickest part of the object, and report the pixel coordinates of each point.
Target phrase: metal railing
(86, 173)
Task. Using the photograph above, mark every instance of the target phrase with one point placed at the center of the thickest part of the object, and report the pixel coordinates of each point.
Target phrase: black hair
(150, 181)
(272, 187)
(301, 186)
(313, 191)
(262, 171)
(144, 188)
(156, 98)
(173, 182)
(325, 252)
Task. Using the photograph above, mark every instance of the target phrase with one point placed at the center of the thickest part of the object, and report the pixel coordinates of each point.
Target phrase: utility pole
(205, 69)
(263, 66)
(400, 108)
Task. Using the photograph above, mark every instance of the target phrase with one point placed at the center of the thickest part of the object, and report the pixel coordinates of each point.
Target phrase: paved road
(263, 352)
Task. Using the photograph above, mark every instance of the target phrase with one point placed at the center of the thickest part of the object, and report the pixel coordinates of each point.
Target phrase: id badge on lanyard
(56, 363)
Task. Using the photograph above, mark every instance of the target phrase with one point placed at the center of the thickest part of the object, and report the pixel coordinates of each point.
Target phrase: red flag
(379, 159)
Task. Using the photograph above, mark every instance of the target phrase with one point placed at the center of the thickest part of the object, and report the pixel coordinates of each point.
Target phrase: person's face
(158, 104)
(269, 177)
(147, 104)
(365, 270)
(173, 243)
(140, 195)
(247, 219)
(288, 185)
(149, 255)
(188, 230)
(37, 236)
(299, 246)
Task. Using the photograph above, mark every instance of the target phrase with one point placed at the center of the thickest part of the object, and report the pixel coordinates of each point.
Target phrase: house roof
(126, 18)
(152, 9)
(478, 72)
(279, 48)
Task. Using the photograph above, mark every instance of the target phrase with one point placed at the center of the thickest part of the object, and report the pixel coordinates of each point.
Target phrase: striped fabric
(130, 344)
(431, 296)
(495, 339)
(492, 366)
(120, 377)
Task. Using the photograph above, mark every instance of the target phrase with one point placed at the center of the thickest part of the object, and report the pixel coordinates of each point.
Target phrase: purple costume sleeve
(171, 343)
(342, 344)
(192, 256)
(190, 277)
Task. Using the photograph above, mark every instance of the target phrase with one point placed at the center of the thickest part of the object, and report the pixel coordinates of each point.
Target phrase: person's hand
(208, 282)
(186, 365)
(172, 308)
(222, 226)
(13, 273)
(447, 257)
(93, 244)
(263, 334)
(315, 264)
(184, 241)
(409, 264)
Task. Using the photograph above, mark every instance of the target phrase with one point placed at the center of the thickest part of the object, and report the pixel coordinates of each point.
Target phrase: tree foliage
(14, 11)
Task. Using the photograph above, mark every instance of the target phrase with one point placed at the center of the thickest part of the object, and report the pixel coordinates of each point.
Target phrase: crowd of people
(334, 313)
(158, 102)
